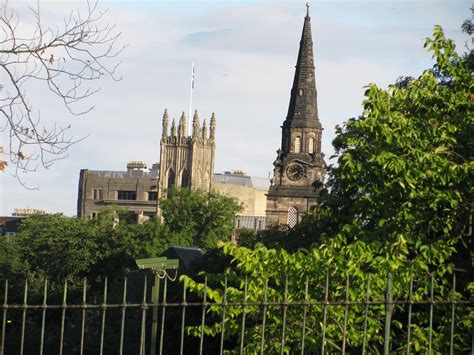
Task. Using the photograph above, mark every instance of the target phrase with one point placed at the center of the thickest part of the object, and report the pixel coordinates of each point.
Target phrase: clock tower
(299, 166)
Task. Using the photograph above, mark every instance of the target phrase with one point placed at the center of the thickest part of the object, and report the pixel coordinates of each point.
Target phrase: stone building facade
(299, 166)
(187, 161)
(135, 190)
(250, 192)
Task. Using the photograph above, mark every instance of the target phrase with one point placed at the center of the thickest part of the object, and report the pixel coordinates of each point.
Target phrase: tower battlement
(187, 160)
(177, 133)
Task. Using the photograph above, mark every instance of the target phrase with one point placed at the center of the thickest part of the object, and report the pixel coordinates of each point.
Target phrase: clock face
(295, 172)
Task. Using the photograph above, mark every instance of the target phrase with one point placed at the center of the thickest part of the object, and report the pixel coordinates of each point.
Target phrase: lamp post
(158, 267)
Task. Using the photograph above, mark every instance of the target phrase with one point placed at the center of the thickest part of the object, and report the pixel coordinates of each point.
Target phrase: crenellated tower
(299, 166)
(187, 160)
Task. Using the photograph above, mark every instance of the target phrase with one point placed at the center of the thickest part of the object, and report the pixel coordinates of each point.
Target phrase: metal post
(388, 315)
(155, 296)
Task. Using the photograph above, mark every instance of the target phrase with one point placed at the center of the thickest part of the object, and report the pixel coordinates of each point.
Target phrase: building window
(185, 180)
(126, 195)
(97, 194)
(298, 145)
(292, 216)
(95, 215)
(171, 178)
(311, 145)
(152, 196)
(260, 224)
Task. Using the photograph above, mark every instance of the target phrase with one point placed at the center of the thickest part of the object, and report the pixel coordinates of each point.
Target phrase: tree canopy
(68, 248)
(199, 217)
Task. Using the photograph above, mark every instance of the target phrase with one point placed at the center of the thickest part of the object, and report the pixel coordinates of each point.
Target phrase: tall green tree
(199, 217)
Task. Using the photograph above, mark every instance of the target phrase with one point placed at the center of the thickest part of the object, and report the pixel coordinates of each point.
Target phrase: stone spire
(173, 128)
(204, 130)
(182, 125)
(212, 127)
(165, 124)
(196, 124)
(303, 108)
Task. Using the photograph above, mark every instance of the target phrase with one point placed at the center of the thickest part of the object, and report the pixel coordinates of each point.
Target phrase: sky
(244, 54)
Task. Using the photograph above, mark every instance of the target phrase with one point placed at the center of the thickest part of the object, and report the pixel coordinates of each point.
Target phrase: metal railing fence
(120, 322)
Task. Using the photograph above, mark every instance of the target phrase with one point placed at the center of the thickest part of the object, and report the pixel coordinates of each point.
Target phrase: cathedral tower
(187, 161)
(299, 166)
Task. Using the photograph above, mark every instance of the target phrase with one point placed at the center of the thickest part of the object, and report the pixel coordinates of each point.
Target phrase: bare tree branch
(68, 60)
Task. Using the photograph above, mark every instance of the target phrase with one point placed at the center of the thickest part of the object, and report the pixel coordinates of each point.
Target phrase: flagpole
(191, 101)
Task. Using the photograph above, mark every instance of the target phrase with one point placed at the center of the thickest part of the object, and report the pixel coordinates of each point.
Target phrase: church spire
(303, 108)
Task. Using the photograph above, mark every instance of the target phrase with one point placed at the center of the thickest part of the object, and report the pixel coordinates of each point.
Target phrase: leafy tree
(57, 246)
(398, 202)
(67, 248)
(10, 261)
(199, 217)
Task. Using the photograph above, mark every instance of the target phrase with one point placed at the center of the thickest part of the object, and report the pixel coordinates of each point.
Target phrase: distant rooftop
(239, 178)
(133, 174)
(26, 212)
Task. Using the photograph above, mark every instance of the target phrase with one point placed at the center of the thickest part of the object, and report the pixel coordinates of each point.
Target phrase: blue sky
(244, 53)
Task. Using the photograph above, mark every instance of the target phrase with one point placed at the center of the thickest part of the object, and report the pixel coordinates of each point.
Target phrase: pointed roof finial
(307, 8)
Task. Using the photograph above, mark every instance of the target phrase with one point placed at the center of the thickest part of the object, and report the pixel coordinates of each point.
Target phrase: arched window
(311, 145)
(292, 216)
(171, 178)
(297, 144)
(185, 180)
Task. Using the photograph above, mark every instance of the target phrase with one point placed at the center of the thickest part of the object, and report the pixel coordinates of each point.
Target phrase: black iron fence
(132, 320)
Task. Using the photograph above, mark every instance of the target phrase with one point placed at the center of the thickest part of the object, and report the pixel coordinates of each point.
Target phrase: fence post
(388, 315)
(23, 323)
(4, 321)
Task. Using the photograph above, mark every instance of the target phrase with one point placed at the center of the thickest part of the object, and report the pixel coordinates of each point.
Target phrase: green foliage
(397, 202)
(57, 246)
(248, 237)
(10, 261)
(201, 218)
(262, 266)
(67, 248)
